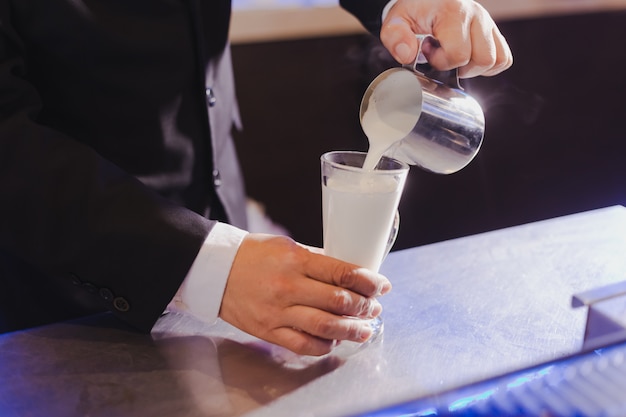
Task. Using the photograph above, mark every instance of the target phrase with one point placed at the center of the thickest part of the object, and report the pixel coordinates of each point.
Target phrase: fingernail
(385, 288)
(375, 309)
(403, 52)
(365, 332)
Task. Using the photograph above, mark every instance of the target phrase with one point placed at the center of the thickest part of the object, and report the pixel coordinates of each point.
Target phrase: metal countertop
(460, 311)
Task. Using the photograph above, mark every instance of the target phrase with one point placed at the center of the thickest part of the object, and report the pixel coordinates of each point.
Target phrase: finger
(313, 332)
(333, 271)
(328, 326)
(300, 342)
(399, 39)
(334, 299)
(455, 50)
(483, 50)
(504, 56)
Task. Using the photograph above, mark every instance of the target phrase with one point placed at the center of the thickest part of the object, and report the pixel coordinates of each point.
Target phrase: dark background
(554, 142)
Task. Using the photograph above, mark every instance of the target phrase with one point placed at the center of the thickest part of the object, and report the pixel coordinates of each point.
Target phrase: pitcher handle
(421, 65)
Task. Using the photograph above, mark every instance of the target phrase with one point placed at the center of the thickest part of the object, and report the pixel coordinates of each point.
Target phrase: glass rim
(403, 166)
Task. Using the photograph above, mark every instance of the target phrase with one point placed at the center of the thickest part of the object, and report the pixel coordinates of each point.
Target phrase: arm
(74, 215)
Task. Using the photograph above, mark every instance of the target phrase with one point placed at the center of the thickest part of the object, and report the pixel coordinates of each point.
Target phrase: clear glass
(360, 213)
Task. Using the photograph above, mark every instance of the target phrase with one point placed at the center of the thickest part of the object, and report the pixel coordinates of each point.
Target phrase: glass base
(347, 348)
(341, 351)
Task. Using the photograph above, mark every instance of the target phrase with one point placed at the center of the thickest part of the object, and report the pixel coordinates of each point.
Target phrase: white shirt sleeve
(386, 9)
(203, 288)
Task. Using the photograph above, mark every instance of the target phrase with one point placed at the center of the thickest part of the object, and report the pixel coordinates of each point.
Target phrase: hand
(469, 38)
(284, 293)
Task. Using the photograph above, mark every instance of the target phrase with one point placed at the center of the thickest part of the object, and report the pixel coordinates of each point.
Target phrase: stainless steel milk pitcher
(437, 126)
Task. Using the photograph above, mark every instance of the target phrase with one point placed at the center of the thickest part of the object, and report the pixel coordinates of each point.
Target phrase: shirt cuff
(202, 290)
(386, 9)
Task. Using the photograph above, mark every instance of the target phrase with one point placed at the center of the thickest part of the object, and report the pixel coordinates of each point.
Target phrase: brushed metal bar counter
(461, 310)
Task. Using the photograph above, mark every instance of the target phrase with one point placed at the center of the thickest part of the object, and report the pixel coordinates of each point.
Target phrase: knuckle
(357, 330)
(346, 275)
(299, 346)
(503, 62)
(290, 252)
(315, 347)
(487, 60)
(279, 250)
(464, 9)
(323, 326)
(288, 246)
(341, 301)
(365, 307)
(459, 57)
(283, 290)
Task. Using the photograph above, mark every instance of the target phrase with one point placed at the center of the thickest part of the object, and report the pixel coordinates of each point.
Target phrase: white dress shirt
(203, 288)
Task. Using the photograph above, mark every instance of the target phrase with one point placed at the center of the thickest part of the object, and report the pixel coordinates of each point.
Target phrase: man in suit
(121, 189)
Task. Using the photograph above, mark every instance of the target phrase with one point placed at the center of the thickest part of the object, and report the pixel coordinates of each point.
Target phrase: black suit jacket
(107, 156)
(369, 12)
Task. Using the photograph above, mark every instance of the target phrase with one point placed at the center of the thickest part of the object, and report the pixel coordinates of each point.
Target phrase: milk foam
(344, 182)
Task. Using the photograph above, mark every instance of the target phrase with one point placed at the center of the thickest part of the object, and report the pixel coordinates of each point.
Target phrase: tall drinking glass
(360, 209)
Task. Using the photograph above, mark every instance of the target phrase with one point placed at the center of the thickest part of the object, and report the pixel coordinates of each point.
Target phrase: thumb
(398, 37)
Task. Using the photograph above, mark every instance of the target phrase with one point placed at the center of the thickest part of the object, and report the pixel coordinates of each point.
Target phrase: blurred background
(555, 140)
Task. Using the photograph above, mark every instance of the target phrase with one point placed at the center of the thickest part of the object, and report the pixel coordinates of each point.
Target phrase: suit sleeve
(369, 12)
(77, 217)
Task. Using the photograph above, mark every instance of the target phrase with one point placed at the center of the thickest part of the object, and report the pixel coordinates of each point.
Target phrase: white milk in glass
(358, 217)
(358, 214)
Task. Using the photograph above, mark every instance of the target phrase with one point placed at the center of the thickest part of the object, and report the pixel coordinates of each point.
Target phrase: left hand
(293, 296)
(469, 38)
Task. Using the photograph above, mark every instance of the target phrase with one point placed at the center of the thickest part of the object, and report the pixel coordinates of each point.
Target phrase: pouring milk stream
(414, 120)
(393, 110)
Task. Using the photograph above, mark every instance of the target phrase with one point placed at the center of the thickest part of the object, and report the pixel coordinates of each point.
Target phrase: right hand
(470, 39)
(286, 294)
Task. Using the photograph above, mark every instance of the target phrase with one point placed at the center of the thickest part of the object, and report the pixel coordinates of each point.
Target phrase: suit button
(106, 294)
(210, 96)
(121, 304)
(217, 178)
(90, 288)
